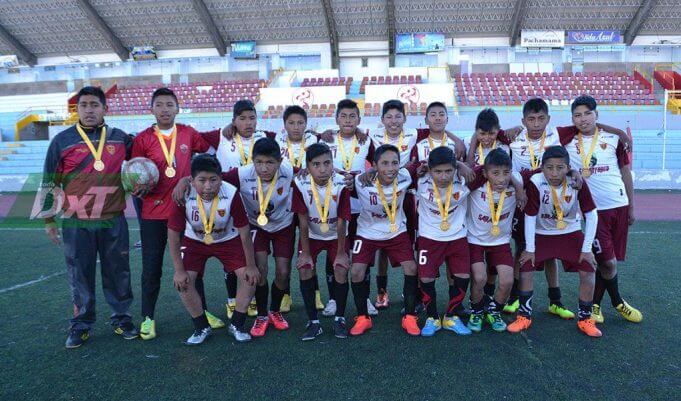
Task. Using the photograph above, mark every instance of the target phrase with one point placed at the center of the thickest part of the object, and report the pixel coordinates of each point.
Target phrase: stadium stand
(315, 111)
(342, 81)
(390, 80)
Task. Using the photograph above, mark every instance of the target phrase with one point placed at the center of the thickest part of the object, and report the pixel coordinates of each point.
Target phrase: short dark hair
(556, 152)
(346, 104)
(316, 150)
(91, 91)
(487, 121)
(435, 104)
(535, 105)
(294, 110)
(441, 155)
(241, 106)
(498, 158)
(392, 105)
(164, 92)
(584, 100)
(267, 147)
(385, 148)
(205, 162)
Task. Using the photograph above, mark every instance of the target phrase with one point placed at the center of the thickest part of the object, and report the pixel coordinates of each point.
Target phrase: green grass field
(553, 361)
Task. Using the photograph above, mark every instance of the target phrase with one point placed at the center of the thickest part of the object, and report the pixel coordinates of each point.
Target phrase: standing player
(554, 212)
(604, 163)
(214, 223)
(322, 204)
(485, 139)
(436, 119)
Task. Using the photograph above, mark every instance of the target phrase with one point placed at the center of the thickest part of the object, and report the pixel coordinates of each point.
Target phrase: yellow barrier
(21, 124)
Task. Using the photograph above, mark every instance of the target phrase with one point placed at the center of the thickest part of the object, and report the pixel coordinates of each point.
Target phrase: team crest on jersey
(456, 196)
(604, 145)
(280, 190)
(335, 198)
(221, 212)
(404, 148)
(509, 193)
(568, 198)
(357, 149)
(184, 148)
(111, 149)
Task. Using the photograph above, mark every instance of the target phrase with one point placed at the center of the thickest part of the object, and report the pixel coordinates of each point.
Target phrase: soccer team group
(417, 199)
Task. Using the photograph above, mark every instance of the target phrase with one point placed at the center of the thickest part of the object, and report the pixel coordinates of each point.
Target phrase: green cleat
(560, 311)
(475, 323)
(495, 320)
(512, 307)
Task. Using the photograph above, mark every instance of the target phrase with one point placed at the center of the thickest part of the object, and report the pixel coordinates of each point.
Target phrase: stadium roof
(38, 28)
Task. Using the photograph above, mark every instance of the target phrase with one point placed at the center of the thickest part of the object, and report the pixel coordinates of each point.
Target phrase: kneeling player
(214, 223)
(553, 213)
(323, 206)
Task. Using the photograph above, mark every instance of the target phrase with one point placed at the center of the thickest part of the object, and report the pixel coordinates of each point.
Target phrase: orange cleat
(410, 325)
(362, 325)
(521, 323)
(278, 320)
(260, 326)
(382, 301)
(588, 327)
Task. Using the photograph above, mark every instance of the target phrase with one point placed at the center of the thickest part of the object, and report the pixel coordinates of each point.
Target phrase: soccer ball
(139, 171)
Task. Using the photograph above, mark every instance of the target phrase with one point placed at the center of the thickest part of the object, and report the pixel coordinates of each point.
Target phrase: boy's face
(585, 119)
(555, 170)
(164, 109)
(266, 167)
(245, 123)
(207, 184)
(348, 120)
(387, 166)
(321, 168)
(487, 138)
(437, 119)
(536, 123)
(295, 126)
(91, 111)
(443, 174)
(393, 121)
(498, 176)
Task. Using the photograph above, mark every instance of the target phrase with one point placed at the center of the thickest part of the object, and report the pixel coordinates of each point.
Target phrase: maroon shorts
(398, 249)
(518, 233)
(317, 246)
(495, 255)
(431, 255)
(195, 254)
(352, 227)
(410, 213)
(566, 247)
(611, 234)
(282, 241)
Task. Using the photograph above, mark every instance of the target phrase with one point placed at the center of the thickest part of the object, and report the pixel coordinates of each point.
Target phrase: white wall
(417, 94)
(327, 73)
(300, 96)
(352, 67)
(38, 102)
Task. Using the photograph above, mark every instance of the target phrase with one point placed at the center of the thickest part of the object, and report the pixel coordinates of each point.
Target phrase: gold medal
(242, 154)
(586, 156)
(208, 222)
(391, 211)
(168, 154)
(324, 227)
(170, 172)
(444, 209)
(96, 153)
(393, 227)
(443, 142)
(586, 172)
(534, 160)
(557, 206)
(208, 239)
(99, 165)
(481, 154)
(444, 226)
(347, 162)
(263, 220)
(495, 230)
(322, 210)
(561, 225)
(495, 212)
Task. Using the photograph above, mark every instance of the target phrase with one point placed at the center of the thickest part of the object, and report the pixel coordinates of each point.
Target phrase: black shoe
(127, 330)
(76, 338)
(312, 331)
(138, 245)
(339, 328)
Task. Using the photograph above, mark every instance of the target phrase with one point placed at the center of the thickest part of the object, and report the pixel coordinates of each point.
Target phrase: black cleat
(339, 328)
(312, 331)
(127, 330)
(77, 338)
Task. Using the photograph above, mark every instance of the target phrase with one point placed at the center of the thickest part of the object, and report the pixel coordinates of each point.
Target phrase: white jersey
(223, 226)
(308, 139)
(605, 183)
(429, 215)
(228, 153)
(480, 217)
(422, 149)
(542, 202)
(520, 154)
(380, 137)
(373, 222)
(304, 185)
(278, 209)
(360, 151)
(485, 151)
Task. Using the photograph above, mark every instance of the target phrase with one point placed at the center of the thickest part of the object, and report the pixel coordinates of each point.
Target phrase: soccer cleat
(214, 322)
(475, 322)
(318, 300)
(278, 320)
(431, 327)
(239, 336)
(198, 337)
(330, 309)
(148, 329)
(512, 307)
(286, 303)
(127, 330)
(521, 323)
(231, 307)
(312, 331)
(76, 338)
(410, 325)
(371, 309)
(340, 330)
(495, 320)
(362, 325)
(453, 323)
(260, 326)
(252, 309)
(382, 301)
(629, 312)
(597, 314)
(588, 327)
(560, 311)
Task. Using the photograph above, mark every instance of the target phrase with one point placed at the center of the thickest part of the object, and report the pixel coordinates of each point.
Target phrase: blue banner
(597, 37)
(419, 42)
(243, 49)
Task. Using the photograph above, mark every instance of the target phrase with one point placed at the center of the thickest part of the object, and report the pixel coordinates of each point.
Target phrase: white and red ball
(139, 171)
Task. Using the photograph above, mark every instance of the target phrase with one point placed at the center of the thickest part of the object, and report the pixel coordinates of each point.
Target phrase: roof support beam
(108, 34)
(639, 18)
(517, 20)
(390, 11)
(22, 52)
(333, 33)
(208, 22)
